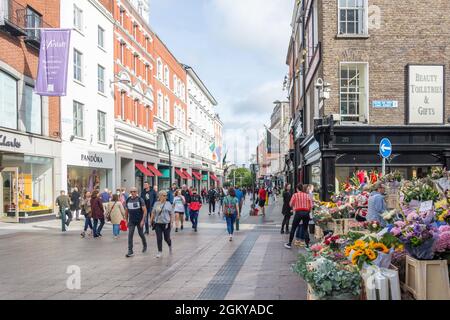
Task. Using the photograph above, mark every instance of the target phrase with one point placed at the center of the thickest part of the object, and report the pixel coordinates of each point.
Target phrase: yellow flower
(380, 247)
(360, 244)
(348, 250)
(370, 254)
(400, 248)
(356, 255)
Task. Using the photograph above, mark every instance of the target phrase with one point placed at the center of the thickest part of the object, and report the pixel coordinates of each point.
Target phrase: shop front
(197, 182)
(214, 180)
(164, 179)
(87, 170)
(28, 177)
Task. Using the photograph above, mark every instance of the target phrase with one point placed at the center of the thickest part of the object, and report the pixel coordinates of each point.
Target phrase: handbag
(123, 225)
(159, 214)
(108, 215)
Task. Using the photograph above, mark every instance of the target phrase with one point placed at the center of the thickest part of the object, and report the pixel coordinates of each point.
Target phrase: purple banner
(53, 62)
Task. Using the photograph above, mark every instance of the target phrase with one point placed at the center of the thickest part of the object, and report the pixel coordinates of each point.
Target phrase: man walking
(171, 193)
(63, 202)
(186, 193)
(262, 194)
(195, 206)
(105, 197)
(212, 200)
(377, 204)
(149, 195)
(240, 197)
(75, 199)
(135, 213)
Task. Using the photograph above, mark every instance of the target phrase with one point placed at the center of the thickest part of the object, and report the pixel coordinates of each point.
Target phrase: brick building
(363, 70)
(30, 150)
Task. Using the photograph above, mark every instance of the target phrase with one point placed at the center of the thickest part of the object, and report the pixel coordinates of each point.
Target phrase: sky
(238, 48)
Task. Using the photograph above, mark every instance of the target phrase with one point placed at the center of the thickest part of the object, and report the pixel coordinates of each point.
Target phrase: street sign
(385, 148)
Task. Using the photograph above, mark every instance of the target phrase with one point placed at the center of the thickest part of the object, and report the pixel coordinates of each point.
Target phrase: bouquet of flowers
(389, 216)
(442, 211)
(322, 216)
(443, 242)
(373, 226)
(395, 176)
(420, 190)
(365, 252)
(437, 173)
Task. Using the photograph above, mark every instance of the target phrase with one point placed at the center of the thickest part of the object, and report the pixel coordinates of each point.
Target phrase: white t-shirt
(178, 204)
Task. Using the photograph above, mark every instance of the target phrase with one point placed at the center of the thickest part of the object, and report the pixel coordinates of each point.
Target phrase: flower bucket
(423, 252)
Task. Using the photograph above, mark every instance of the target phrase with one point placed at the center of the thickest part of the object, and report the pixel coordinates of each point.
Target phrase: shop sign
(91, 158)
(7, 142)
(385, 104)
(426, 94)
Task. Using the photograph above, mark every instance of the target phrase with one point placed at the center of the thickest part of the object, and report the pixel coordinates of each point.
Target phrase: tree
(243, 177)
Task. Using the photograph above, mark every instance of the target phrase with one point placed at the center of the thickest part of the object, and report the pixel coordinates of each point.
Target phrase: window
(101, 126)
(166, 76)
(122, 14)
(160, 105)
(352, 17)
(122, 105)
(78, 129)
(34, 20)
(136, 106)
(183, 92)
(147, 70)
(160, 70)
(77, 65)
(135, 62)
(175, 83)
(179, 88)
(77, 18)
(101, 79)
(8, 101)
(166, 109)
(353, 91)
(101, 37)
(33, 111)
(122, 52)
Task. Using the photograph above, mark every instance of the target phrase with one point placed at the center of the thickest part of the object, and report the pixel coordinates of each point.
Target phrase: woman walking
(162, 220)
(98, 213)
(231, 210)
(115, 214)
(221, 197)
(178, 206)
(86, 211)
(287, 210)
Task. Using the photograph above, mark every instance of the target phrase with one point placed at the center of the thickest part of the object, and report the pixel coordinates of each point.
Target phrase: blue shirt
(105, 197)
(377, 206)
(239, 195)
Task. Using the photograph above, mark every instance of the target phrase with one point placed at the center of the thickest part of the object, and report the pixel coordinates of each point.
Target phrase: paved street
(204, 265)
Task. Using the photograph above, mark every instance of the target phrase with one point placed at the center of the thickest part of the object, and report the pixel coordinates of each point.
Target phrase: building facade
(30, 133)
(87, 111)
(360, 71)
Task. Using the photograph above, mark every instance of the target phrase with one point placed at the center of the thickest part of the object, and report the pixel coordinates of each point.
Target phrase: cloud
(263, 26)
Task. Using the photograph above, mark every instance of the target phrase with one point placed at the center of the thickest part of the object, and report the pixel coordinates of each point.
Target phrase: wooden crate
(348, 224)
(338, 226)
(318, 233)
(427, 279)
(310, 294)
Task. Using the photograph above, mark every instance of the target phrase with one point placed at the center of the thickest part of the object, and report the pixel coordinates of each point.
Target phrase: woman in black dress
(286, 211)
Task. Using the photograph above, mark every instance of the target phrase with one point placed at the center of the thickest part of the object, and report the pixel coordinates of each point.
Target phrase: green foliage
(243, 177)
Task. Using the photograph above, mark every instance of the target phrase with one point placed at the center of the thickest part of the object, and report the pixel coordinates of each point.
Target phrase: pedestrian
(302, 205)
(231, 211)
(105, 197)
(87, 212)
(286, 210)
(262, 194)
(98, 214)
(186, 193)
(124, 196)
(178, 206)
(149, 196)
(135, 212)
(244, 192)
(63, 202)
(204, 195)
(171, 193)
(75, 198)
(162, 221)
(377, 204)
(212, 200)
(115, 214)
(221, 197)
(194, 208)
(240, 196)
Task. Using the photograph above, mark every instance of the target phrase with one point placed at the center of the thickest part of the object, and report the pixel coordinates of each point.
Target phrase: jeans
(162, 230)
(98, 231)
(131, 227)
(76, 213)
(230, 223)
(300, 216)
(116, 230)
(212, 204)
(186, 211)
(285, 223)
(194, 218)
(147, 219)
(87, 223)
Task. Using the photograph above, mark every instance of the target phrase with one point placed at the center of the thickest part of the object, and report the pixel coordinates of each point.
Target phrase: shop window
(353, 17)
(101, 126)
(88, 179)
(100, 79)
(77, 65)
(78, 119)
(33, 111)
(353, 91)
(8, 101)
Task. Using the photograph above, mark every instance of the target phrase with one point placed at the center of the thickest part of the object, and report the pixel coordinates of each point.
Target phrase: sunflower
(348, 250)
(370, 254)
(381, 247)
(356, 255)
(360, 244)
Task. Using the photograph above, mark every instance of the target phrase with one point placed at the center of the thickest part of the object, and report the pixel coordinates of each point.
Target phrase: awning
(180, 173)
(188, 176)
(214, 177)
(154, 170)
(144, 170)
(197, 175)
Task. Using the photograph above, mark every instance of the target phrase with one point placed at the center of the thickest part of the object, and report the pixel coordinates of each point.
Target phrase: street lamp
(165, 132)
(123, 81)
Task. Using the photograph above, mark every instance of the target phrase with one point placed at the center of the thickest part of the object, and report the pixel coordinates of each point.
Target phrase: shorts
(262, 203)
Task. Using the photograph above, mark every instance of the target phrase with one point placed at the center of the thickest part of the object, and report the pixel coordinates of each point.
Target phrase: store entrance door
(9, 204)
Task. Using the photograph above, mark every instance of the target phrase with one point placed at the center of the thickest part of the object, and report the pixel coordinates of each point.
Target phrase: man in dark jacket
(212, 200)
(187, 196)
(75, 207)
(149, 195)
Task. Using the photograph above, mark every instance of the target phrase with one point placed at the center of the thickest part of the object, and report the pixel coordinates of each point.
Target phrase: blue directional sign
(385, 148)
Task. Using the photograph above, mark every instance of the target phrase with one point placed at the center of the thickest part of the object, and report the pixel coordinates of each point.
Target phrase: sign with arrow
(385, 148)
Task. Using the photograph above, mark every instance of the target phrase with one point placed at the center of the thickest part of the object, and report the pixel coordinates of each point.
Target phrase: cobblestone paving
(204, 265)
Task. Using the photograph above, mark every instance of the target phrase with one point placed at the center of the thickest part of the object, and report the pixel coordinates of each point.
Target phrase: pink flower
(412, 217)
(316, 247)
(400, 224)
(444, 228)
(443, 243)
(396, 231)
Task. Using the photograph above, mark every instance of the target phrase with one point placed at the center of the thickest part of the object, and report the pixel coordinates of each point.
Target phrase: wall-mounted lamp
(123, 81)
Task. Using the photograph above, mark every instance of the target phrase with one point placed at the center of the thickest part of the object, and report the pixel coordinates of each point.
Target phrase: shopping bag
(123, 225)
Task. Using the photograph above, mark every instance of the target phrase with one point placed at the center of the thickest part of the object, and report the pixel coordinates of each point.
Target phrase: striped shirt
(301, 202)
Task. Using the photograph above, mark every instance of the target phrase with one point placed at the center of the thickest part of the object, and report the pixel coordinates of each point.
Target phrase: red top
(262, 193)
(301, 202)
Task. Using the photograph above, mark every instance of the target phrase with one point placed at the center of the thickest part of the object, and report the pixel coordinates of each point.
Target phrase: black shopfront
(335, 152)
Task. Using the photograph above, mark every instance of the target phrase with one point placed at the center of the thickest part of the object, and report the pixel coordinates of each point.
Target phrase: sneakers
(282, 231)
(129, 254)
(231, 238)
(195, 229)
(83, 234)
(287, 246)
(181, 227)
(144, 249)
(209, 214)
(170, 249)
(158, 255)
(176, 229)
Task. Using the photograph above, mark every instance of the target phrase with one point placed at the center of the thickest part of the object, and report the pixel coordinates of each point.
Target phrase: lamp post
(165, 132)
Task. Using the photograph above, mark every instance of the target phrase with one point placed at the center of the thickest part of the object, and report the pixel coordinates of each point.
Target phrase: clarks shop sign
(6, 141)
(426, 94)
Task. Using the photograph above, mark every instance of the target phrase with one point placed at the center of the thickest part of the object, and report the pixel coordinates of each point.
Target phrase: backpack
(230, 207)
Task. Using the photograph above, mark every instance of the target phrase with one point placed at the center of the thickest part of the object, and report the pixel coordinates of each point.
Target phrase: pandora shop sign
(426, 94)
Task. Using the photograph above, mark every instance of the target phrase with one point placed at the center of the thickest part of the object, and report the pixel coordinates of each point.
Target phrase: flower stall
(362, 259)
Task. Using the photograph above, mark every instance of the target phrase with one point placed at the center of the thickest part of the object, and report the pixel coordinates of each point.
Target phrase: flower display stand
(427, 279)
(348, 224)
(310, 294)
(318, 233)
